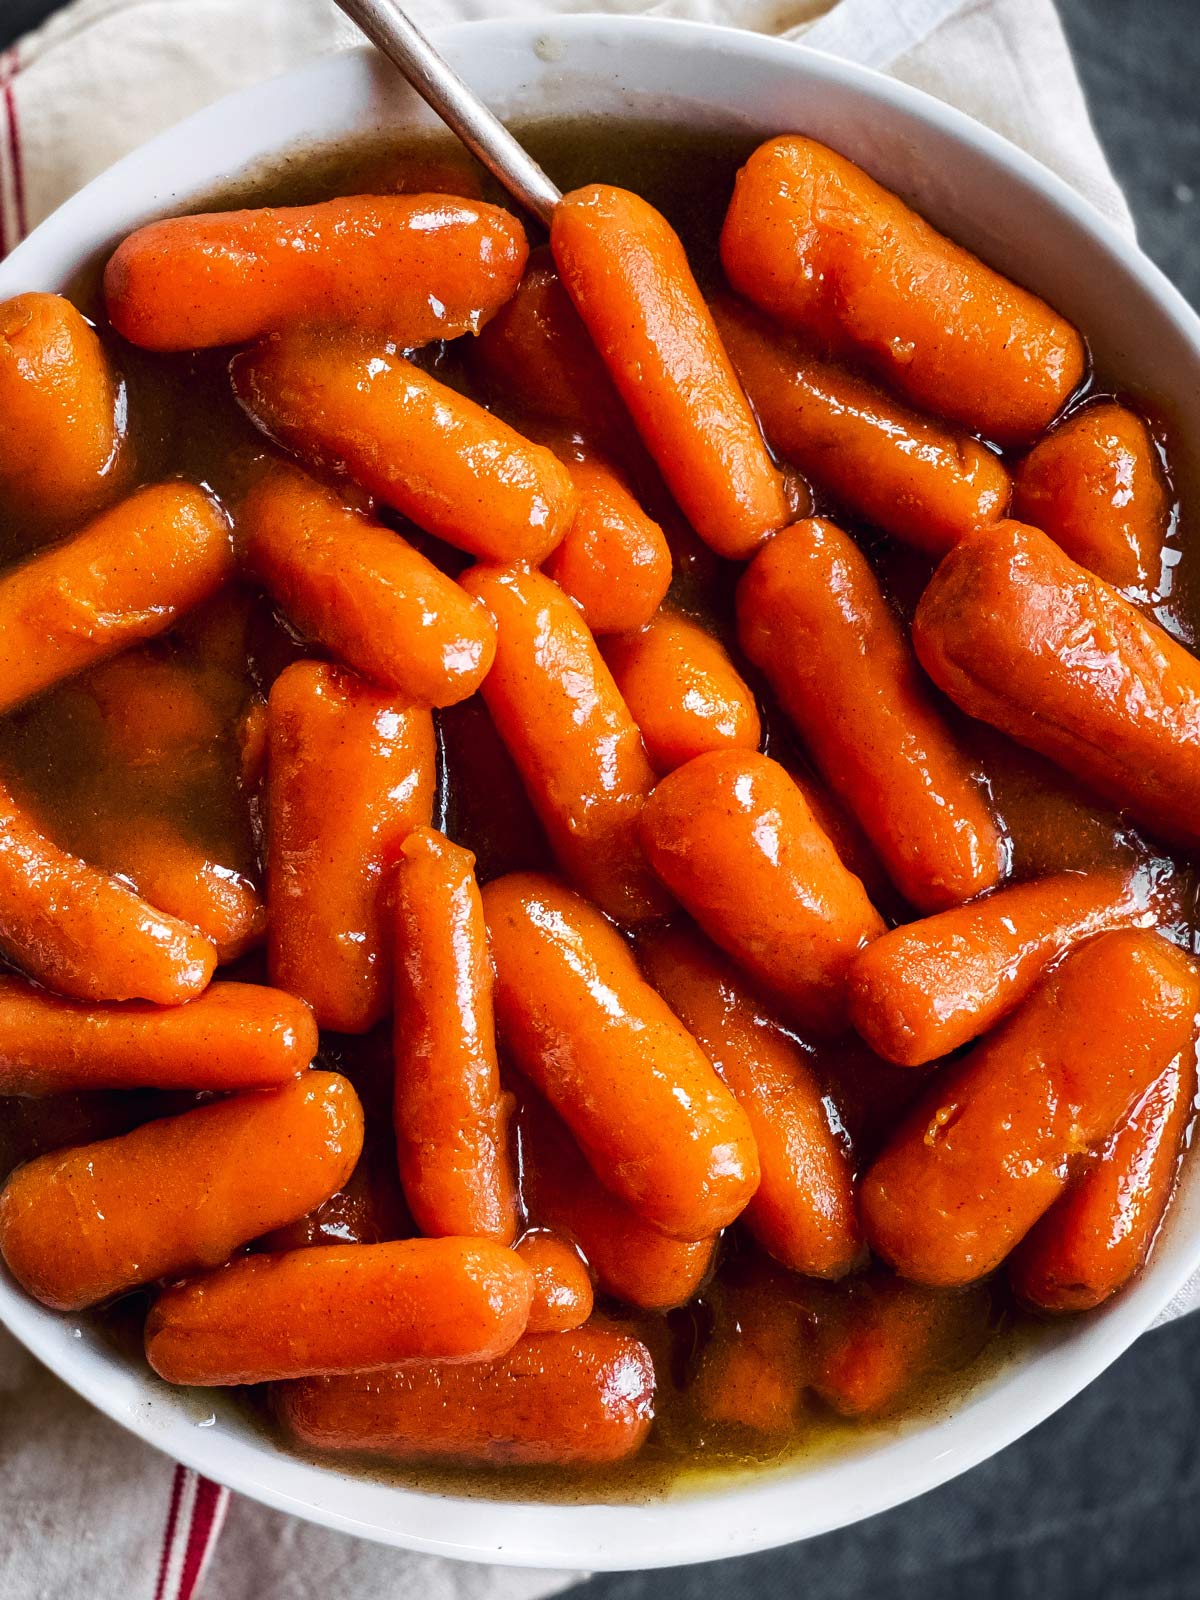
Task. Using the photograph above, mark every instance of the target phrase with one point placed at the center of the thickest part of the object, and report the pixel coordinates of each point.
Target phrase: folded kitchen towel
(91, 1513)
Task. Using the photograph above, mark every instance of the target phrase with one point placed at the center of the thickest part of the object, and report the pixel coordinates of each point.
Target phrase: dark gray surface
(1104, 1499)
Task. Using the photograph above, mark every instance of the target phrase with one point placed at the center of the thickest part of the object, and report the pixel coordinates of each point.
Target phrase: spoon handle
(484, 135)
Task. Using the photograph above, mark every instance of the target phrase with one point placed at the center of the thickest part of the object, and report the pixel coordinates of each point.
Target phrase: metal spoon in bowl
(627, 273)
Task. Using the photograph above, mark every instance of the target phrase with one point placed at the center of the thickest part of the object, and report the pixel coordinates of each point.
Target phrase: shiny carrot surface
(233, 1036)
(804, 1210)
(734, 840)
(1092, 1241)
(820, 246)
(350, 774)
(930, 986)
(655, 1122)
(451, 1114)
(85, 934)
(556, 1399)
(439, 458)
(578, 750)
(1096, 486)
(629, 278)
(812, 616)
(64, 452)
(683, 691)
(341, 1309)
(996, 1140)
(562, 1289)
(416, 267)
(1020, 636)
(179, 1194)
(129, 574)
(919, 480)
(363, 592)
(632, 1261)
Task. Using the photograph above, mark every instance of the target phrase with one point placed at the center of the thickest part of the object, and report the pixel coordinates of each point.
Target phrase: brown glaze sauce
(94, 777)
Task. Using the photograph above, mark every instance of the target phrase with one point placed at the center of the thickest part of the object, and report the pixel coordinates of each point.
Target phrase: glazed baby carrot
(127, 575)
(179, 1194)
(453, 468)
(178, 875)
(416, 267)
(626, 271)
(451, 1114)
(632, 1261)
(804, 1210)
(734, 840)
(363, 592)
(919, 480)
(84, 934)
(556, 1399)
(614, 562)
(928, 987)
(341, 1309)
(350, 774)
(996, 1140)
(1092, 1241)
(812, 616)
(683, 691)
(1020, 636)
(576, 746)
(655, 1122)
(820, 246)
(877, 1337)
(535, 353)
(233, 1036)
(1095, 485)
(562, 1290)
(63, 450)
(759, 1360)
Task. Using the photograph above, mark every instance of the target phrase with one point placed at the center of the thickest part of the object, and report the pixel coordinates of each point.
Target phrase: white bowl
(985, 193)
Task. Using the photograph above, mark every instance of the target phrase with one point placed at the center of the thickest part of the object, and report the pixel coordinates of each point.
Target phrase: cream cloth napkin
(90, 1512)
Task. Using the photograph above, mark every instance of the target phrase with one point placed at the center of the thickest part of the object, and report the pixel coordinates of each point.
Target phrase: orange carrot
(85, 934)
(350, 774)
(655, 1122)
(63, 449)
(233, 1036)
(178, 1194)
(804, 1209)
(578, 750)
(614, 562)
(456, 470)
(416, 267)
(1092, 1241)
(1020, 636)
(632, 1261)
(812, 616)
(556, 1399)
(759, 1359)
(1094, 484)
(451, 1114)
(822, 247)
(917, 479)
(997, 1138)
(928, 987)
(562, 1290)
(124, 577)
(341, 1309)
(363, 591)
(626, 271)
(683, 691)
(734, 840)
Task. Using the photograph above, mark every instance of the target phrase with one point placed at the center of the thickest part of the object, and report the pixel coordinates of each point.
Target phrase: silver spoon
(484, 135)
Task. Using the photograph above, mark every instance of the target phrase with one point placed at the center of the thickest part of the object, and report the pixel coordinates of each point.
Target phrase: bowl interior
(993, 199)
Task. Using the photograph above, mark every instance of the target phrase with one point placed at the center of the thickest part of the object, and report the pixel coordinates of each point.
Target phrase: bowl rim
(763, 1510)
